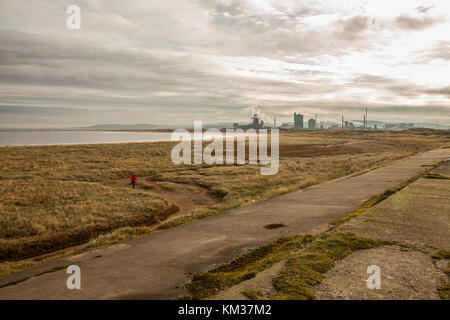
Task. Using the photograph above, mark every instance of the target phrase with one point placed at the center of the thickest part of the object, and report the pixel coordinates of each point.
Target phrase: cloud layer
(170, 62)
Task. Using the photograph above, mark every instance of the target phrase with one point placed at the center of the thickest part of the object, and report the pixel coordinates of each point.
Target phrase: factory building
(349, 125)
(255, 124)
(298, 121)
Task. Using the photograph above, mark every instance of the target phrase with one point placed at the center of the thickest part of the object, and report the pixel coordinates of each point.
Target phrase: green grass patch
(308, 266)
(252, 294)
(444, 291)
(436, 176)
(441, 254)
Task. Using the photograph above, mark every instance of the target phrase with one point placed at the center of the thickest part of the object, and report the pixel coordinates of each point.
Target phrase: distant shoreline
(87, 130)
(33, 138)
(79, 144)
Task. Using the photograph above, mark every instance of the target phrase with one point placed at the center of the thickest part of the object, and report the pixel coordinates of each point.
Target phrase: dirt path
(158, 266)
(185, 196)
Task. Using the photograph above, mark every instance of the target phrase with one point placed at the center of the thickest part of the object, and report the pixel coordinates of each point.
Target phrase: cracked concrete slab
(406, 274)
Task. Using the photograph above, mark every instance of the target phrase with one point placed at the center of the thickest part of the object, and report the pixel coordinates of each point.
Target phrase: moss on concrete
(252, 294)
(307, 267)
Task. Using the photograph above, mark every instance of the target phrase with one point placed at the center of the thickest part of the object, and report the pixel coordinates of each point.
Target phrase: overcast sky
(175, 61)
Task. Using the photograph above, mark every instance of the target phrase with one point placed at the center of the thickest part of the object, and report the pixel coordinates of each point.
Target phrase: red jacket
(133, 179)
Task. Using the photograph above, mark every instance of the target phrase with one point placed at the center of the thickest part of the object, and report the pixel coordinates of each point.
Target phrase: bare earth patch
(406, 274)
(184, 196)
(316, 150)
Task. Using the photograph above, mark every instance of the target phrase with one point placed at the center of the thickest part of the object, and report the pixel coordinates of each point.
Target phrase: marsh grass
(53, 197)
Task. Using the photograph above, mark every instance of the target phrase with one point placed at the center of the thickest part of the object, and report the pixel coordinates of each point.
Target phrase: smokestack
(274, 122)
(316, 122)
(366, 119)
(342, 121)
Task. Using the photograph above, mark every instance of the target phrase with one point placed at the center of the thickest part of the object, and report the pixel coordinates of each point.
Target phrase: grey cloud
(424, 9)
(439, 51)
(416, 23)
(42, 111)
(439, 91)
(350, 28)
(398, 87)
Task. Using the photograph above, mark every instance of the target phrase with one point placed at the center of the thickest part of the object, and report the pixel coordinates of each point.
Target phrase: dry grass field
(55, 197)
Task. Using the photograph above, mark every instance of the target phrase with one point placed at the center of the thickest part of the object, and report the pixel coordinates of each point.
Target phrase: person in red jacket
(133, 180)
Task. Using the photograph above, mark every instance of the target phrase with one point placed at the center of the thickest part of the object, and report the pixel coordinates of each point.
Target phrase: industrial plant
(304, 122)
(255, 124)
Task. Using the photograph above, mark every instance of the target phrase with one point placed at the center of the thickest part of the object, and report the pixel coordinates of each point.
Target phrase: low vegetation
(437, 176)
(307, 267)
(444, 290)
(52, 215)
(441, 254)
(252, 294)
(55, 197)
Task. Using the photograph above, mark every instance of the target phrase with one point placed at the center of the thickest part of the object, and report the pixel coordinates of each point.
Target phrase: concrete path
(157, 266)
(417, 216)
